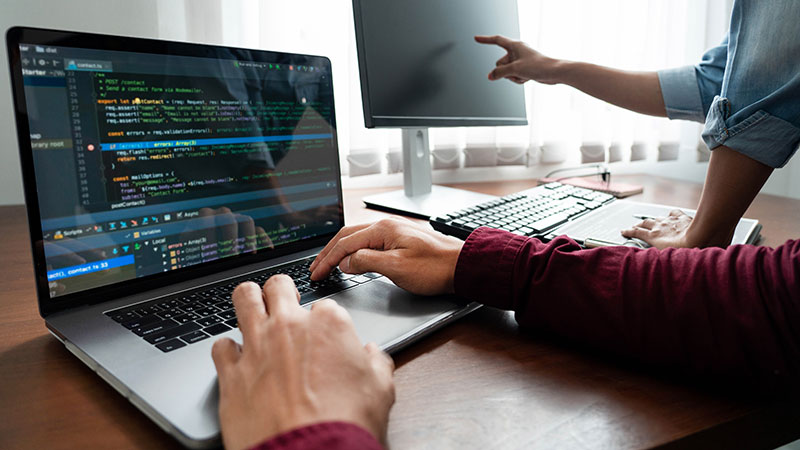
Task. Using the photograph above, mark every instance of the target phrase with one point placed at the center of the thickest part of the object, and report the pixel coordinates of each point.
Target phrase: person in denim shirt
(746, 91)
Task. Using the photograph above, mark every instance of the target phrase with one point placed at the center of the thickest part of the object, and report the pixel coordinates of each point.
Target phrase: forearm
(732, 182)
(636, 91)
(719, 312)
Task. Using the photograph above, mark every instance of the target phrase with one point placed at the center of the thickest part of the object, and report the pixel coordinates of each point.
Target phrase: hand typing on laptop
(297, 368)
(413, 257)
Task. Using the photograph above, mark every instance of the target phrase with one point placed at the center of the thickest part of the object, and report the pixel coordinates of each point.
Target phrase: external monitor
(420, 67)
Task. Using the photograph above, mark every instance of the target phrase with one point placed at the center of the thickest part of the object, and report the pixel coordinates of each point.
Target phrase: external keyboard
(173, 322)
(533, 212)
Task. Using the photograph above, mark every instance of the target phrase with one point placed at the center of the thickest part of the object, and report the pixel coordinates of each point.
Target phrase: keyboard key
(188, 317)
(229, 314)
(195, 336)
(549, 222)
(217, 329)
(576, 210)
(170, 345)
(360, 279)
(208, 321)
(140, 322)
(304, 289)
(123, 317)
(155, 328)
(153, 308)
(372, 275)
(223, 305)
(592, 205)
(175, 303)
(234, 323)
(170, 314)
(207, 311)
(143, 312)
(191, 307)
(155, 338)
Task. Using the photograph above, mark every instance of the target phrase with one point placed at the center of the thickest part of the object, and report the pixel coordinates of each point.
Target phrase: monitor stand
(420, 198)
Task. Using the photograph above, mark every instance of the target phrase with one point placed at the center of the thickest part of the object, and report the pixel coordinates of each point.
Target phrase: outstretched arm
(636, 91)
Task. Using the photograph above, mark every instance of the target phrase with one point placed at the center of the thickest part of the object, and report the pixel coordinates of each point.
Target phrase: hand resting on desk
(662, 232)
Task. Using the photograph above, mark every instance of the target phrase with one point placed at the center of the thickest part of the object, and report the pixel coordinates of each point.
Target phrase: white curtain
(627, 34)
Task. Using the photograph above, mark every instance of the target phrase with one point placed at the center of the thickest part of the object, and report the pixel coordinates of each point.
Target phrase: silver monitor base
(441, 200)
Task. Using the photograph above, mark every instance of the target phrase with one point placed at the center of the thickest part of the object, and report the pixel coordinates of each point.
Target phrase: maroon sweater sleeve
(326, 435)
(731, 312)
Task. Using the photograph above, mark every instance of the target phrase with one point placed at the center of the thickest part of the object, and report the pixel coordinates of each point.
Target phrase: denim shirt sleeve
(757, 110)
(689, 91)
(680, 93)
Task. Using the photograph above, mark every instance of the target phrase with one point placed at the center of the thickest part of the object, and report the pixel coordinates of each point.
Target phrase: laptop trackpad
(383, 313)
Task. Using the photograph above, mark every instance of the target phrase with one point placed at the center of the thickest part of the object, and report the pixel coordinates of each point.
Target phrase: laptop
(158, 176)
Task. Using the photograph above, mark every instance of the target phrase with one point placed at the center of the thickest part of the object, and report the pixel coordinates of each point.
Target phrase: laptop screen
(147, 163)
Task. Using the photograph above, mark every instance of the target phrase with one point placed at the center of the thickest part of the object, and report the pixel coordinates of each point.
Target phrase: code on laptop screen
(148, 163)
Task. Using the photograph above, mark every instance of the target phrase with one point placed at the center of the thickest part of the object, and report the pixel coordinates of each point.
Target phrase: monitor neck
(416, 162)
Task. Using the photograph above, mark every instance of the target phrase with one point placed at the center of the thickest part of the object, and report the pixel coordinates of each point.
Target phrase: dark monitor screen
(151, 162)
(420, 65)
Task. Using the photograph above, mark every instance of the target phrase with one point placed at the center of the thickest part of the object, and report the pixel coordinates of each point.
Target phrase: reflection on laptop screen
(148, 163)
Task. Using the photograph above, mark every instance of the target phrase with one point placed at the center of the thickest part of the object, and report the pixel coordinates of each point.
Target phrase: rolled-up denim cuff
(761, 136)
(681, 94)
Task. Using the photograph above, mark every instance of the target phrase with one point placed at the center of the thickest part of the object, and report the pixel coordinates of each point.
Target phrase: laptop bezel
(64, 38)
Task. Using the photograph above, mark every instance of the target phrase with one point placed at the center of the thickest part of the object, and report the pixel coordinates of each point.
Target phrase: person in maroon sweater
(308, 383)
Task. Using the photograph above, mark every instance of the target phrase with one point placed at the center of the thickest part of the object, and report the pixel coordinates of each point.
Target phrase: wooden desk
(479, 383)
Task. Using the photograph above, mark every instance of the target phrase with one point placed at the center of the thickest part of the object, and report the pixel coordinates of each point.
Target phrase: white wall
(131, 18)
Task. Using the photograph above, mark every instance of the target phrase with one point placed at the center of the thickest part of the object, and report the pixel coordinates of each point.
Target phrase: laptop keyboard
(533, 212)
(177, 321)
